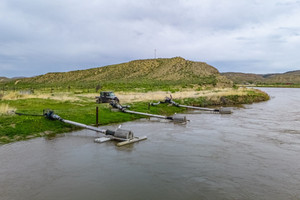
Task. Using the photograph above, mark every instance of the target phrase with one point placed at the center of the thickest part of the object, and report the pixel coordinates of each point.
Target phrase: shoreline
(271, 86)
(81, 108)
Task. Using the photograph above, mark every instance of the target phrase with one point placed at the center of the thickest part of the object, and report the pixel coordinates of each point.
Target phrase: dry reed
(5, 109)
(127, 97)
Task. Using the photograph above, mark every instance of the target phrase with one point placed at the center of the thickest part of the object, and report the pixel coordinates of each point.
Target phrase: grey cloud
(42, 36)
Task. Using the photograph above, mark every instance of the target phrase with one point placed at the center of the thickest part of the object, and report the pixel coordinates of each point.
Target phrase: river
(253, 153)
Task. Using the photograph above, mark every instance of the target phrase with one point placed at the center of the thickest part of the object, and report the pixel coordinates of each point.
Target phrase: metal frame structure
(174, 118)
(124, 136)
(170, 101)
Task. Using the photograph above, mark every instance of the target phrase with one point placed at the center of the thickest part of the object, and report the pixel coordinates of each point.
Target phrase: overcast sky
(40, 36)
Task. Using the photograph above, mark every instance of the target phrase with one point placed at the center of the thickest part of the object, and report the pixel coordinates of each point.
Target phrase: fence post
(97, 123)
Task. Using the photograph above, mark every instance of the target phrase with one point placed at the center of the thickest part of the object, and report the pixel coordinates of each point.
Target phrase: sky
(252, 36)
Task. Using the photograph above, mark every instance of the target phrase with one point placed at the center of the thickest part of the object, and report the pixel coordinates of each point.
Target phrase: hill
(242, 78)
(287, 78)
(3, 79)
(292, 77)
(138, 73)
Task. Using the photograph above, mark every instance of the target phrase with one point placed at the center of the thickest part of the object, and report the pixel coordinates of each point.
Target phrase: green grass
(251, 97)
(15, 127)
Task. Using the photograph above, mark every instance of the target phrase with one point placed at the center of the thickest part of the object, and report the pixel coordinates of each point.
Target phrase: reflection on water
(251, 154)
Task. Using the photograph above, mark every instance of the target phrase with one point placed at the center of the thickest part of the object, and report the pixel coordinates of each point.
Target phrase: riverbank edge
(252, 96)
(271, 86)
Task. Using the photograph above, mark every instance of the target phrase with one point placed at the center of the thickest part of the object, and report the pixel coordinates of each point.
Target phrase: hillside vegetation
(4, 79)
(288, 78)
(150, 73)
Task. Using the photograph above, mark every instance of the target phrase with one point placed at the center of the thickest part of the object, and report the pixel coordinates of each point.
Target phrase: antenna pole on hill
(154, 53)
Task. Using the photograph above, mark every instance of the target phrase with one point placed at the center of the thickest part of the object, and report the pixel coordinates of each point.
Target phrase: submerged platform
(122, 143)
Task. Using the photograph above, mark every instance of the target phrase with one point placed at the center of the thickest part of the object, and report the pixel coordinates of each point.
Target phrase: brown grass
(57, 96)
(127, 97)
(167, 69)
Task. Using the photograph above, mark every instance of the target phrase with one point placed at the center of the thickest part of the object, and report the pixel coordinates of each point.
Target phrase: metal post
(97, 122)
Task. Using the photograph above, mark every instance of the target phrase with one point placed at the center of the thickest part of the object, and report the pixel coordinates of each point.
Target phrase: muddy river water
(253, 153)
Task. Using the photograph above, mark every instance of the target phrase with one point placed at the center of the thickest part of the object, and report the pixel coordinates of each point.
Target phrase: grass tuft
(5, 109)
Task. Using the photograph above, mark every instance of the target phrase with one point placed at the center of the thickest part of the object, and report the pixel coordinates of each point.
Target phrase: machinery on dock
(170, 101)
(123, 136)
(175, 118)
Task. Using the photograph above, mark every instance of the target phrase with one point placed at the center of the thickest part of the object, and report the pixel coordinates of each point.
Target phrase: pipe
(83, 126)
(170, 101)
(198, 108)
(146, 114)
(221, 110)
(119, 134)
(175, 118)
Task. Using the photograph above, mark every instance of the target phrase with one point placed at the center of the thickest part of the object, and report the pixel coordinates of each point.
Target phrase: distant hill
(241, 78)
(292, 77)
(3, 79)
(150, 71)
(288, 77)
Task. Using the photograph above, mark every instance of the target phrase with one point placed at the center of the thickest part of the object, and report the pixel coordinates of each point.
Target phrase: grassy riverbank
(280, 85)
(81, 108)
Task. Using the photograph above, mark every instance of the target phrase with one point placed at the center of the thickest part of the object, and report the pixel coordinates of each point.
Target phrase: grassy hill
(152, 73)
(288, 78)
(3, 79)
(241, 78)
